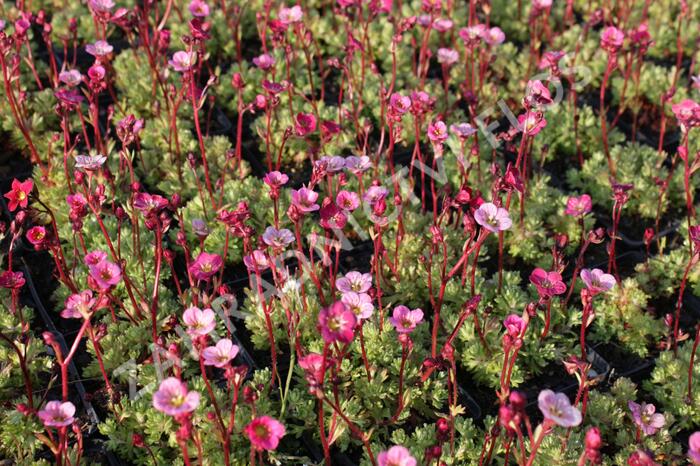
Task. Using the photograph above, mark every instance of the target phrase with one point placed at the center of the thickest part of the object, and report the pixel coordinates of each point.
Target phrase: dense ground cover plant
(350, 232)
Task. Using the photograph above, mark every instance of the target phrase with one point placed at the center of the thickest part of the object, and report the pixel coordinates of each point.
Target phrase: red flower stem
(603, 117)
(691, 365)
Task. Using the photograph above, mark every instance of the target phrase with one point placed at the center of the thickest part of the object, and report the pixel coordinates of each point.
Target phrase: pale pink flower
(396, 456)
(597, 281)
(333, 163)
(557, 408)
(442, 24)
(347, 200)
(173, 398)
(278, 239)
(57, 414)
(70, 78)
(275, 179)
(101, 6)
(264, 61)
(494, 36)
(264, 433)
(447, 56)
(199, 322)
(199, 9)
(374, 194)
(99, 48)
(256, 261)
(405, 320)
(354, 281)
(304, 199)
(492, 218)
(359, 303)
(220, 354)
(694, 448)
(79, 305)
(183, 61)
(106, 274)
(290, 15)
(646, 417)
(462, 130)
(358, 165)
(687, 113)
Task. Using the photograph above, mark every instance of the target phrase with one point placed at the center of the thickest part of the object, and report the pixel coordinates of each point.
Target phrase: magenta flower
(405, 320)
(264, 433)
(304, 123)
(70, 78)
(611, 39)
(347, 200)
(548, 283)
(278, 239)
(256, 261)
(359, 303)
(337, 323)
(100, 48)
(437, 132)
(578, 206)
(18, 195)
(447, 56)
(515, 325)
(220, 354)
(206, 266)
(93, 258)
(557, 408)
(106, 274)
(687, 113)
(199, 322)
(264, 62)
(36, 235)
(492, 218)
(354, 281)
(597, 281)
(396, 456)
(290, 15)
(537, 95)
(332, 216)
(399, 104)
(198, 9)
(57, 414)
(312, 364)
(304, 199)
(12, 280)
(183, 61)
(646, 417)
(494, 36)
(79, 305)
(275, 179)
(694, 448)
(173, 398)
(532, 123)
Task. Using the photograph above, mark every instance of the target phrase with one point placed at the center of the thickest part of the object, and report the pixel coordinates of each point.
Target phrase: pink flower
(36, 235)
(597, 281)
(290, 15)
(275, 179)
(578, 206)
(256, 261)
(359, 303)
(473, 35)
(358, 165)
(437, 132)
(447, 56)
(57, 414)
(494, 36)
(442, 25)
(304, 123)
(354, 281)
(557, 408)
(537, 95)
(264, 61)
(694, 448)
(551, 59)
(646, 417)
(173, 398)
(399, 104)
(79, 305)
(541, 4)
(206, 266)
(199, 322)
(199, 9)
(347, 200)
(337, 323)
(687, 113)
(396, 456)
(70, 78)
(492, 218)
(375, 194)
(149, 204)
(278, 239)
(611, 39)
(101, 6)
(106, 274)
(548, 283)
(304, 199)
(514, 325)
(100, 48)
(220, 354)
(183, 61)
(312, 364)
(93, 258)
(18, 195)
(532, 123)
(405, 320)
(264, 433)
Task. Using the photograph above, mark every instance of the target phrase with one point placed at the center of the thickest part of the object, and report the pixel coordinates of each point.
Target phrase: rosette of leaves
(622, 316)
(669, 385)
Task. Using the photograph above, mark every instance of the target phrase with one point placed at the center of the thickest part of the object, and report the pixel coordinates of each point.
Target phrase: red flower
(19, 194)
